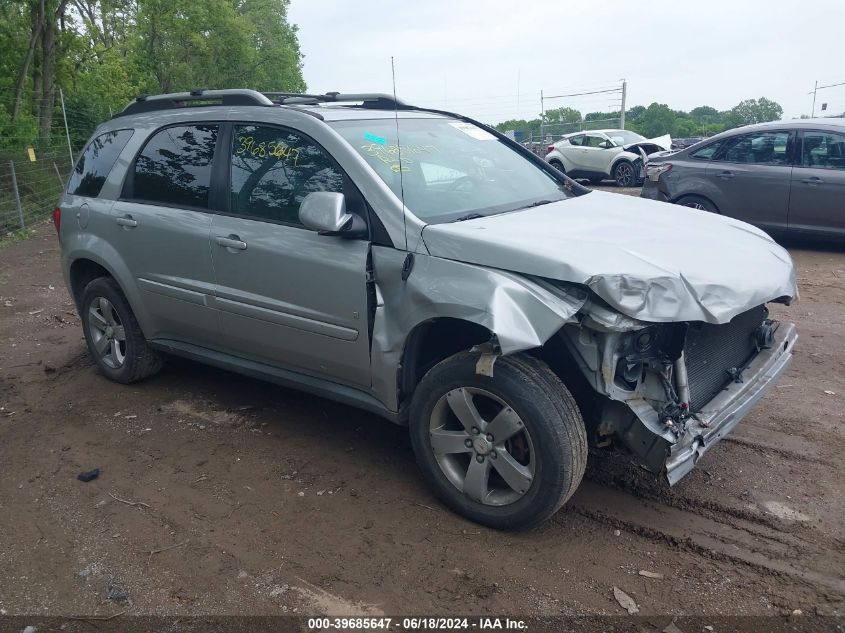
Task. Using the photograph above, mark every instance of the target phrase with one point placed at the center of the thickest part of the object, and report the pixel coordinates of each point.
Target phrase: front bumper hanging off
(719, 416)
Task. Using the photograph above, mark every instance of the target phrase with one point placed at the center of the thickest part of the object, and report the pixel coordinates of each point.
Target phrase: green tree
(563, 115)
(656, 120)
(101, 53)
(755, 111)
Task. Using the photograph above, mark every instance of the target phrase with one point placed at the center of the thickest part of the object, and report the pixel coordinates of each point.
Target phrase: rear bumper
(723, 413)
(652, 191)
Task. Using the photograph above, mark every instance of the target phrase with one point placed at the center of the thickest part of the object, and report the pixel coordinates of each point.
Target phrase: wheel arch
(706, 198)
(86, 265)
(623, 155)
(556, 156)
(432, 341)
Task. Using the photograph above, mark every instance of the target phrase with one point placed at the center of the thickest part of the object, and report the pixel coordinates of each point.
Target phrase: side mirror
(606, 145)
(325, 212)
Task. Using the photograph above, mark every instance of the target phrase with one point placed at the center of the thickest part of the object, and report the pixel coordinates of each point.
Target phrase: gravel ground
(220, 494)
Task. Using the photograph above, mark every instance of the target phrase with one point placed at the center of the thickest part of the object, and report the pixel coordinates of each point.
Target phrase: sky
(490, 60)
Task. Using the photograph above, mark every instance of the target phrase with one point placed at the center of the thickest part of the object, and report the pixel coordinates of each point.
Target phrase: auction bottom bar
(125, 623)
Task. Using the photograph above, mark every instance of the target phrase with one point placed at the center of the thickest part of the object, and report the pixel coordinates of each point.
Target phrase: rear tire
(697, 202)
(113, 335)
(517, 451)
(558, 165)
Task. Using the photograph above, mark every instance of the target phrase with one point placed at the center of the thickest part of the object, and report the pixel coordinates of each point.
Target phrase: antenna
(399, 151)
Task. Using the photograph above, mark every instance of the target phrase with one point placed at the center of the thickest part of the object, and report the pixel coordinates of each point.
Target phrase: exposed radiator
(713, 351)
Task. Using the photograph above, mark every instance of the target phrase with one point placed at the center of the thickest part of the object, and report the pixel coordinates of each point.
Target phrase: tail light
(549, 149)
(653, 171)
(57, 219)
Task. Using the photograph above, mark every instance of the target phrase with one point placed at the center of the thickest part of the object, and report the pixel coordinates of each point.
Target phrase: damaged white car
(601, 154)
(424, 267)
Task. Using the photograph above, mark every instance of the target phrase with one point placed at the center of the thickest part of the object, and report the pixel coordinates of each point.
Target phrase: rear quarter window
(96, 162)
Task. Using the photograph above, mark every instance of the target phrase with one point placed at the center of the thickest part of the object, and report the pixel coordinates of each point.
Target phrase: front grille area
(711, 351)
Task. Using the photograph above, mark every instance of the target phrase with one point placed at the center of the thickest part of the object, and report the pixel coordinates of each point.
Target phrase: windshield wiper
(468, 216)
(539, 203)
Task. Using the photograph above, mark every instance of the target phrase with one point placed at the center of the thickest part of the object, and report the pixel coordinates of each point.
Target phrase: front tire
(624, 174)
(506, 450)
(113, 335)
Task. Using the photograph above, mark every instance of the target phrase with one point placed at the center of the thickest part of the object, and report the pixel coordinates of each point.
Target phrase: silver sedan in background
(783, 176)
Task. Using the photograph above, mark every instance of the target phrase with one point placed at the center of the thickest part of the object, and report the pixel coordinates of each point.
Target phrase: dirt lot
(221, 494)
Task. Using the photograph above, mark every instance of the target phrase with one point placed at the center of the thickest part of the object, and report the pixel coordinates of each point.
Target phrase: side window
(96, 162)
(761, 148)
(274, 169)
(174, 168)
(823, 150)
(593, 140)
(707, 152)
(577, 140)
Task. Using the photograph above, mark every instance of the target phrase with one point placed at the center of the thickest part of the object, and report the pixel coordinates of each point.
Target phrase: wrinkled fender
(623, 155)
(79, 245)
(519, 313)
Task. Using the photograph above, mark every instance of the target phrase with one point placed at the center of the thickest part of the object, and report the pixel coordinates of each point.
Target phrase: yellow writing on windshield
(389, 154)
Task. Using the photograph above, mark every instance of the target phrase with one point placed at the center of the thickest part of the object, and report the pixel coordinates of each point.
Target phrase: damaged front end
(672, 390)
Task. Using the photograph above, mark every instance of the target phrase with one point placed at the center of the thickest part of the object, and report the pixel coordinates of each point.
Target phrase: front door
(287, 295)
(751, 178)
(817, 203)
(160, 228)
(596, 158)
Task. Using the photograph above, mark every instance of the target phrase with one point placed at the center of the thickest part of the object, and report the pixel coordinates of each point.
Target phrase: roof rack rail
(196, 98)
(368, 99)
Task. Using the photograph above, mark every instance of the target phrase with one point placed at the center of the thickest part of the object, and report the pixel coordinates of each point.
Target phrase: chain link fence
(34, 166)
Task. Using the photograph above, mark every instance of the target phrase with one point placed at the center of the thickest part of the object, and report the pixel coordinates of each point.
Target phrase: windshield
(450, 169)
(623, 137)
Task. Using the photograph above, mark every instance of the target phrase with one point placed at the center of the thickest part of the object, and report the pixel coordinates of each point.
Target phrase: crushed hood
(664, 142)
(652, 261)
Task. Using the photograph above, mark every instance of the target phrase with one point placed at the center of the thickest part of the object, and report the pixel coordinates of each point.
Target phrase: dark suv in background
(784, 176)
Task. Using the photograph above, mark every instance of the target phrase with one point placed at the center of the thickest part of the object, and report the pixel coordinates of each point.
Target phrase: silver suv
(424, 267)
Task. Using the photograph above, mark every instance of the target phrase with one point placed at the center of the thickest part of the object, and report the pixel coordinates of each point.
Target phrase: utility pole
(542, 119)
(622, 114)
(816, 88)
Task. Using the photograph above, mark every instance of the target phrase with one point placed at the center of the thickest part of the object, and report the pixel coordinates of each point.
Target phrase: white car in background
(600, 154)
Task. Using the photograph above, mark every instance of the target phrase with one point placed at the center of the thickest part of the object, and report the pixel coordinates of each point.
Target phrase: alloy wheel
(482, 446)
(107, 332)
(624, 175)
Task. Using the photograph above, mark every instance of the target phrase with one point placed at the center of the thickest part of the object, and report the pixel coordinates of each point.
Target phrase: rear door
(574, 152)
(160, 228)
(288, 296)
(817, 202)
(750, 177)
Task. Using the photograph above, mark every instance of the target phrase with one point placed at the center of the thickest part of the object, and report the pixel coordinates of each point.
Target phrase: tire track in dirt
(753, 544)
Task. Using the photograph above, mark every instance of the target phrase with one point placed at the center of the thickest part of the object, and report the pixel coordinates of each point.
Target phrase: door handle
(726, 175)
(813, 180)
(127, 221)
(231, 241)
